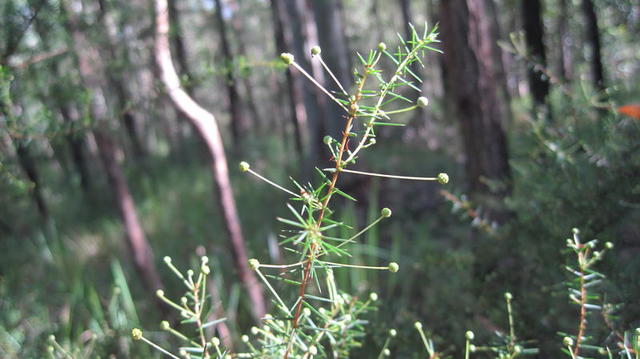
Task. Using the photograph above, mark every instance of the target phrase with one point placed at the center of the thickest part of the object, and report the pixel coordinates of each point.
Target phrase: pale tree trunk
(207, 127)
(294, 85)
(471, 86)
(239, 124)
(91, 69)
(593, 39)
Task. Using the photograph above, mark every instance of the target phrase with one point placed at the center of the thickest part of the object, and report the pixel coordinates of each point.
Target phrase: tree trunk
(249, 98)
(294, 86)
(304, 30)
(25, 159)
(114, 79)
(56, 95)
(91, 69)
(331, 38)
(416, 68)
(565, 67)
(207, 127)
(593, 39)
(534, 33)
(471, 85)
(239, 124)
(140, 248)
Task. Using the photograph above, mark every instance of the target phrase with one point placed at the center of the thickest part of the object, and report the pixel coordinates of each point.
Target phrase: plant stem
(583, 308)
(338, 167)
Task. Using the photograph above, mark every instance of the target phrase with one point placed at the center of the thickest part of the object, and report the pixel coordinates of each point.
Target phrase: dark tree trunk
(416, 68)
(75, 140)
(593, 39)
(249, 98)
(25, 159)
(115, 80)
(304, 34)
(534, 34)
(471, 85)
(294, 86)
(565, 66)
(331, 38)
(239, 125)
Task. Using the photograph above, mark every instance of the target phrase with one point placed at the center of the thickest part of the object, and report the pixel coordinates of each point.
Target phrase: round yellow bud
(393, 267)
(287, 58)
(469, 335)
(254, 263)
(443, 178)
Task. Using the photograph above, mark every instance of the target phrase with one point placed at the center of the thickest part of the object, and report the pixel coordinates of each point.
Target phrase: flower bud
(136, 334)
(373, 296)
(385, 212)
(316, 50)
(418, 325)
(422, 101)
(443, 178)
(469, 335)
(327, 140)
(393, 267)
(244, 166)
(472, 348)
(254, 263)
(393, 332)
(160, 293)
(508, 296)
(205, 269)
(287, 58)
(382, 46)
(167, 259)
(164, 325)
(567, 341)
(386, 352)
(245, 338)
(215, 341)
(608, 245)
(313, 350)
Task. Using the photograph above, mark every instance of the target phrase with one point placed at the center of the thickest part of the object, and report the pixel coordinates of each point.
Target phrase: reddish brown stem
(353, 109)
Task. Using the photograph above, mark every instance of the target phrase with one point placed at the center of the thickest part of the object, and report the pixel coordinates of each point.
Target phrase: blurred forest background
(101, 175)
